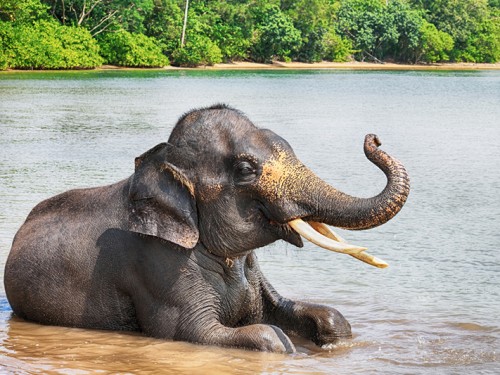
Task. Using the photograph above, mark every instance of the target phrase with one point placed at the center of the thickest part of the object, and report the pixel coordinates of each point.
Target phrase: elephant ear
(162, 200)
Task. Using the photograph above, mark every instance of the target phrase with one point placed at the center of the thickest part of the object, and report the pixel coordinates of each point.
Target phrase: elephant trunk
(335, 208)
(318, 203)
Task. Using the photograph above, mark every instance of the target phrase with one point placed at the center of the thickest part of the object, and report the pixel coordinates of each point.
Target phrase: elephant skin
(169, 251)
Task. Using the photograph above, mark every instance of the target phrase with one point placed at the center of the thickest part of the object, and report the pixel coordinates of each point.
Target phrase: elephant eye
(245, 171)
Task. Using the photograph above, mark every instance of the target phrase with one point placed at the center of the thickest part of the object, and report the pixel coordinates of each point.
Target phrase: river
(436, 309)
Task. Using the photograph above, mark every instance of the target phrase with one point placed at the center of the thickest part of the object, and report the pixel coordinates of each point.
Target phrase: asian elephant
(169, 251)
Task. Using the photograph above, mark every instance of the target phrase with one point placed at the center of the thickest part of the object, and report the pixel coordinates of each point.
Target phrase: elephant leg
(318, 323)
(207, 330)
(259, 337)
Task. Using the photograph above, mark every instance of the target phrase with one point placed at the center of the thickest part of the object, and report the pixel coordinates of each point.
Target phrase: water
(434, 310)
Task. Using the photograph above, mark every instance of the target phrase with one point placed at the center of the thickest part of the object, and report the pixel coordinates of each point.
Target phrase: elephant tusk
(363, 256)
(326, 231)
(305, 230)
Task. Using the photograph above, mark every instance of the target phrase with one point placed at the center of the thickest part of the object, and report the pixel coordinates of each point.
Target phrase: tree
(434, 45)
(102, 15)
(314, 19)
(472, 25)
(369, 26)
(6, 34)
(165, 24)
(408, 25)
(275, 37)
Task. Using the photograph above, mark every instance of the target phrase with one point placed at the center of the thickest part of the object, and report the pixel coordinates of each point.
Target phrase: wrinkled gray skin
(169, 250)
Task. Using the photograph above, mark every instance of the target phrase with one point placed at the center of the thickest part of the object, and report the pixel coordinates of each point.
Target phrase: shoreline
(278, 65)
(354, 65)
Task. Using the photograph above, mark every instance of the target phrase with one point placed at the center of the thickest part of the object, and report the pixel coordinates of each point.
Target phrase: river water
(436, 309)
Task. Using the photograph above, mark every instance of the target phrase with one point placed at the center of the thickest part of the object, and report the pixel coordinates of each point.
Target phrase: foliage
(47, 45)
(102, 15)
(474, 26)
(22, 10)
(199, 50)
(368, 26)
(63, 33)
(434, 45)
(6, 34)
(128, 49)
(275, 36)
(165, 24)
(336, 48)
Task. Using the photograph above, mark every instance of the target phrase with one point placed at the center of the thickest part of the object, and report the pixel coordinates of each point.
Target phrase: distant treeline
(70, 34)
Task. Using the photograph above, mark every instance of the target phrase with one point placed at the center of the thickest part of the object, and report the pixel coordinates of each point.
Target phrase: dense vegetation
(63, 34)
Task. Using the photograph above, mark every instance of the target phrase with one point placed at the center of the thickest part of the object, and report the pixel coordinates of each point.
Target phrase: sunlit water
(435, 309)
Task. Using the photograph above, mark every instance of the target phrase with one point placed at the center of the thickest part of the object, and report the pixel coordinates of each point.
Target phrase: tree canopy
(68, 34)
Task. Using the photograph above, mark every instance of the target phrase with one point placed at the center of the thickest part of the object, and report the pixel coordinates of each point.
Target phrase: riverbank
(325, 65)
(353, 65)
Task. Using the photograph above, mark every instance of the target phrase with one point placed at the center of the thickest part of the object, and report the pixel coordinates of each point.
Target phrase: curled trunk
(338, 209)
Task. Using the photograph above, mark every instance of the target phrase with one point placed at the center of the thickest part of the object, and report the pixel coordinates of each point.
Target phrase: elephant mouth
(323, 236)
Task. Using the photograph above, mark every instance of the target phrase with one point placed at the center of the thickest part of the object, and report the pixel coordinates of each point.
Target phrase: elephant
(169, 251)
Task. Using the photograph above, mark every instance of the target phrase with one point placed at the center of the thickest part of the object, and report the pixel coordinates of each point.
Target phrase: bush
(199, 50)
(336, 48)
(135, 50)
(48, 45)
(80, 50)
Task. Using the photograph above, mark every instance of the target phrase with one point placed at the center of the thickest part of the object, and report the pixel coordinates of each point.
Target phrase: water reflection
(30, 348)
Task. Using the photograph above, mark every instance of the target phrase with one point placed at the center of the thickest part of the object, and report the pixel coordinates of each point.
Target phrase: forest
(84, 34)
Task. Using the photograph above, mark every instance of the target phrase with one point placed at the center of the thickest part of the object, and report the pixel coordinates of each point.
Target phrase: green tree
(200, 47)
(102, 15)
(314, 19)
(369, 26)
(274, 37)
(471, 23)
(434, 45)
(407, 24)
(165, 24)
(232, 28)
(6, 34)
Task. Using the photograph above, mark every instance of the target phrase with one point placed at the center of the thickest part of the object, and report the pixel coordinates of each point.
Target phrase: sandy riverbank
(355, 65)
(278, 65)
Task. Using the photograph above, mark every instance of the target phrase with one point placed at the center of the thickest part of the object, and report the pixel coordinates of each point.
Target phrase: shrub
(199, 50)
(128, 49)
(336, 48)
(80, 50)
(48, 45)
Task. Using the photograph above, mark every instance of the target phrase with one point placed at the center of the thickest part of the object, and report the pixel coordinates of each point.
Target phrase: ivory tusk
(326, 231)
(305, 230)
(364, 257)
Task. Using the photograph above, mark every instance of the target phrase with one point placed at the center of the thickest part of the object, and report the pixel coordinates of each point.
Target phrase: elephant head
(224, 183)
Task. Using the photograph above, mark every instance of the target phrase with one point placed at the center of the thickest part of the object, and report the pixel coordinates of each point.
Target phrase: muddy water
(434, 310)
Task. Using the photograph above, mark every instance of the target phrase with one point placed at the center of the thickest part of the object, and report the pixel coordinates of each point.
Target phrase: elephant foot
(323, 325)
(259, 337)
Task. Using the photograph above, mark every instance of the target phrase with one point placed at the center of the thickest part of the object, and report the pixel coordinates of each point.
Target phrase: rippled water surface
(436, 309)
